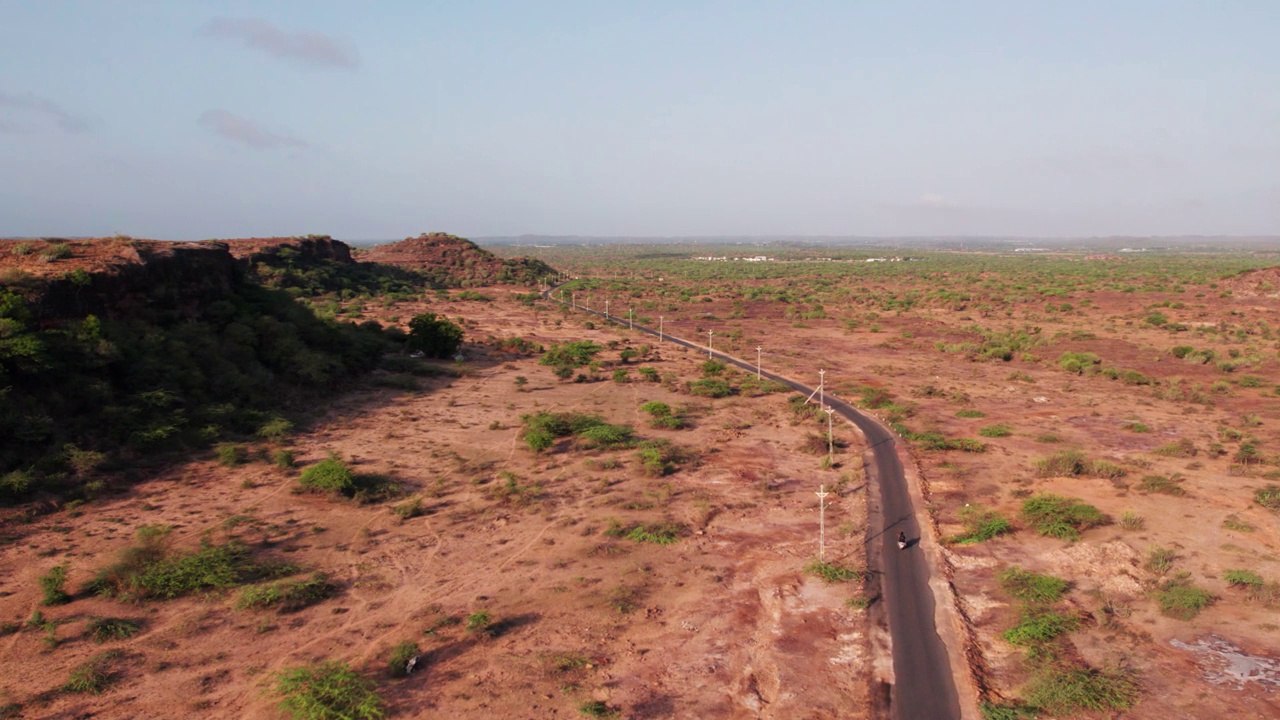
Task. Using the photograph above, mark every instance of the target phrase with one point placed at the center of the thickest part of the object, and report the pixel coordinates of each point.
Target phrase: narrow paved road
(924, 687)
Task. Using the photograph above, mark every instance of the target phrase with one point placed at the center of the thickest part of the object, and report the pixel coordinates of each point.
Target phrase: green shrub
(94, 675)
(980, 524)
(832, 572)
(412, 508)
(401, 654)
(1060, 517)
(710, 387)
(598, 709)
(327, 691)
(434, 336)
(1182, 600)
(52, 585)
(1064, 463)
(713, 368)
(571, 354)
(479, 621)
(1248, 454)
(287, 595)
(1007, 711)
(662, 534)
(1250, 381)
(1031, 587)
(1035, 628)
(283, 459)
(1181, 351)
(539, 440)
(1183, 448)
(1243, 579)
(56, 251)
(1078, 362)
(230, 454)
(149, 570)
(1162, 484)
(102, 630)
(1131, 520)
(650, 374)
(1268, 497)
(656, 409)
(1160, 560)
(607, 435)
(277, 428)
(659, 458)
(1064, 691)
(970, 413)
(329, 475)
(996, 431)
(620, 375)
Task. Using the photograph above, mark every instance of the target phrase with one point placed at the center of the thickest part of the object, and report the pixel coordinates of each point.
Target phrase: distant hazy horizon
(921, 118)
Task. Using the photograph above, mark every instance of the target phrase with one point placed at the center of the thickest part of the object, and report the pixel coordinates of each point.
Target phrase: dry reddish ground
(1092, 414)
(725, 623)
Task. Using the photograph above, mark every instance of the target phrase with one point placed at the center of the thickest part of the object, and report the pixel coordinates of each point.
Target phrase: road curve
(924, 687)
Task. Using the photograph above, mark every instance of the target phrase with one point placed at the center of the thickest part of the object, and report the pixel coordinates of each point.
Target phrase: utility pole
(606, 308)
(758, 349)
(831, 443)
(659, 328)
(709, 334)
(822, 383)
(822, 522)
(631, 320)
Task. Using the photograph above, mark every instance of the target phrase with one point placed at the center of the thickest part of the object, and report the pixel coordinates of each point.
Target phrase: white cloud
(314, 49)
(27, 111)
(245, 131)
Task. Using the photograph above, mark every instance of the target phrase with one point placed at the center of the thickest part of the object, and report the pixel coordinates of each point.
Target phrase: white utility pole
(631, 320)
(822, 383)
(758, 349)
(659, 328)
(709, 334)
(831, 446)
(822, 522)
(606, 308)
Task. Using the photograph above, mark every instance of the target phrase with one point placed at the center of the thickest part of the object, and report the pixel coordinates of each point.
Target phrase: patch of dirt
(724, 623)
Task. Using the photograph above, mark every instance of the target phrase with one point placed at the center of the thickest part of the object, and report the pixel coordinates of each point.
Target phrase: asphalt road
(924, 686)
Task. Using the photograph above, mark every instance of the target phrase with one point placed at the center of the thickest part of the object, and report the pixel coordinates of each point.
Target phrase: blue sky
(198, 119)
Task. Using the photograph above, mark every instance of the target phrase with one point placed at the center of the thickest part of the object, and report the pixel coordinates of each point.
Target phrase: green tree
(435, 336)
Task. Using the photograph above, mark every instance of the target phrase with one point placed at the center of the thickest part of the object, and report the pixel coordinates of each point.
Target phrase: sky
(380, 120)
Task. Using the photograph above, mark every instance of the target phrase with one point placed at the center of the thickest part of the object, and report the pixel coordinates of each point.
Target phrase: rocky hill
(116, 350)
(450, 261)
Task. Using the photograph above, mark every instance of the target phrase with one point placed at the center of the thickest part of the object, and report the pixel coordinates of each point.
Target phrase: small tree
(435, 336)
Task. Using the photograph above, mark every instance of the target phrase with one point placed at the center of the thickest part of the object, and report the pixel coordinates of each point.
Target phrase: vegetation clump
(103, 630)
(980, 524)
(542, 429)
(1060, 517)
(158, 381)
(1268, 497)
(1073, 463)
(94, 675)
(401, 654)
(832, 572)
(1066, 690)
(53, 584)
(1180, 599)
(149, 569)
(287, 595)
(433, 336)
(328, 691)
(570, 354)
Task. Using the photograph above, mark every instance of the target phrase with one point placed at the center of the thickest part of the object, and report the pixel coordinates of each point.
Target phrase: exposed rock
(452, 261)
